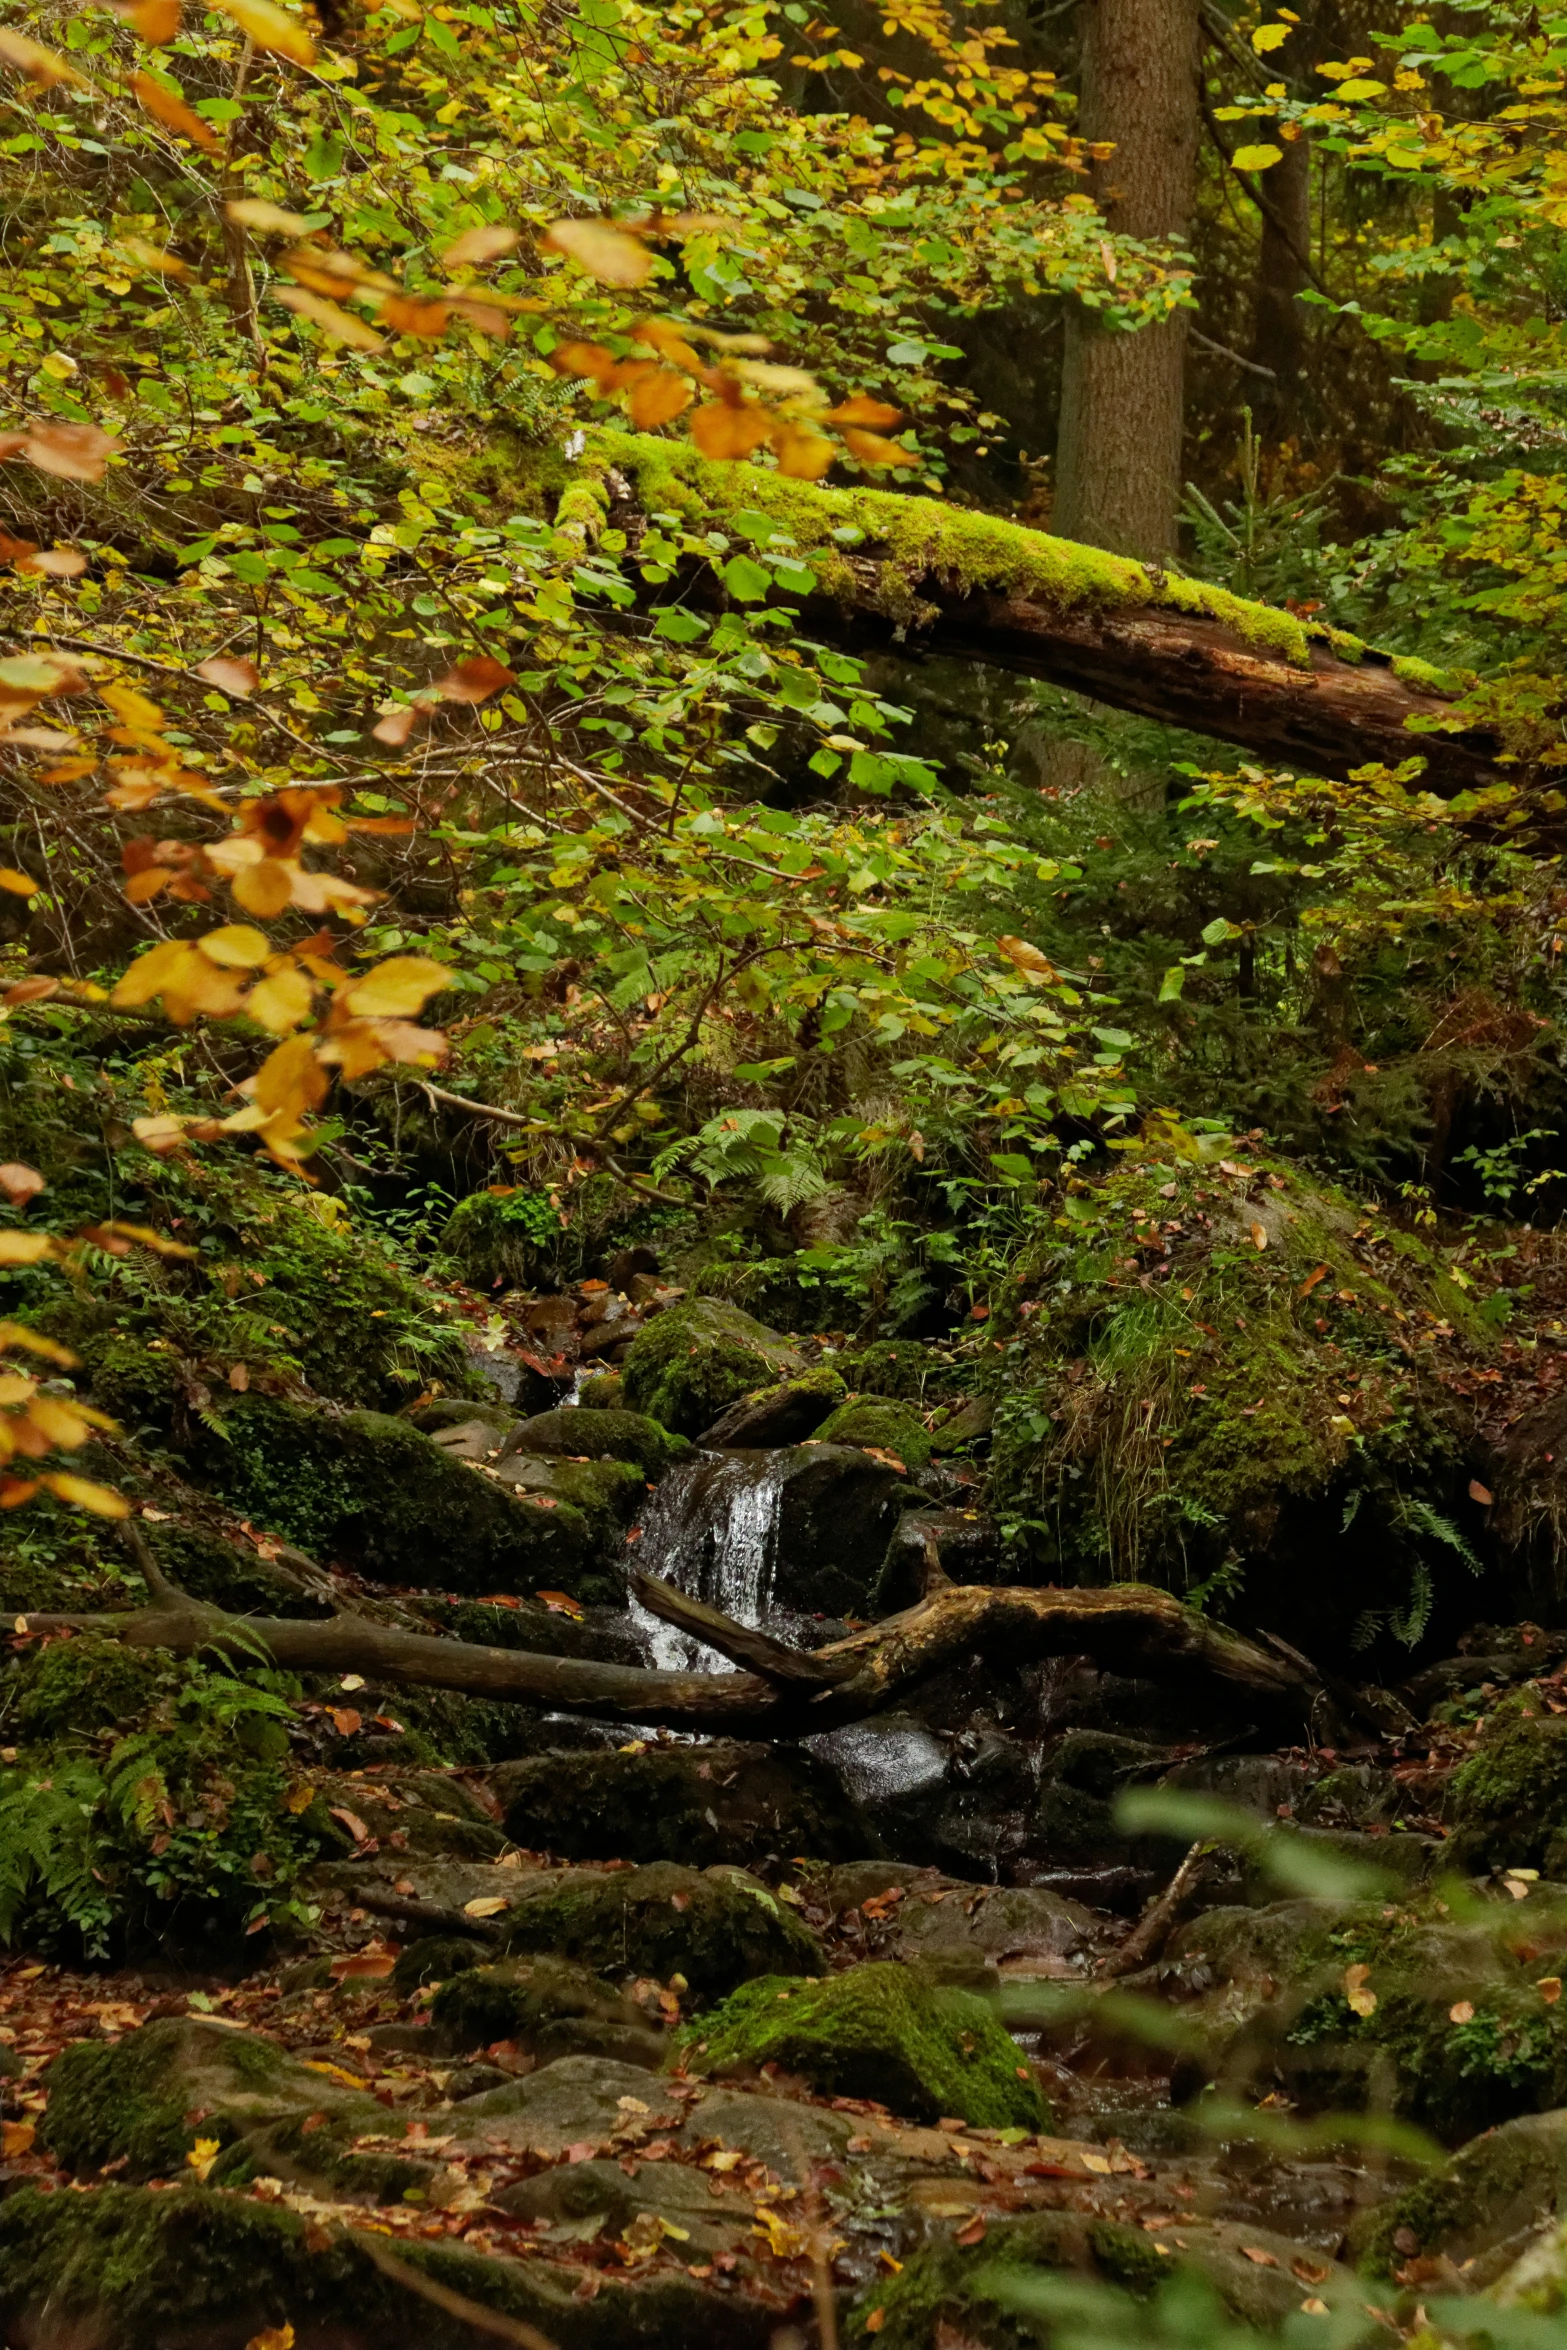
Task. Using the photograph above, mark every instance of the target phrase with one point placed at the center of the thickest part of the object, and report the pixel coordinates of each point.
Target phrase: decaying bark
(782, 1693)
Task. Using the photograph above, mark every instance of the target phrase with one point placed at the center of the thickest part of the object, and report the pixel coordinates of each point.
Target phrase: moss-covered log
(911, 576)
(1129, 1627)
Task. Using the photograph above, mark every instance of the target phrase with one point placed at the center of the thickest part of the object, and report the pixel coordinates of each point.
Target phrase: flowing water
(712, 1530)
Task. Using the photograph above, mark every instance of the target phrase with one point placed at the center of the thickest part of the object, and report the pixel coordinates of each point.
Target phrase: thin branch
(1223, 351)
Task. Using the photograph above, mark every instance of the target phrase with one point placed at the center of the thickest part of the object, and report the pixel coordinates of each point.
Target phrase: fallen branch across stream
(781, 1692)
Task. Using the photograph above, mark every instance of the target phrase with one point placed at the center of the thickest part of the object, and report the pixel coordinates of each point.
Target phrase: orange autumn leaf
(861, 409)
(71, 452)
(169, 108)
(604, 251)
(330, 318)
(474, 680)
(872, 449)
(724, 430)
(229, 675)
(396, 726)
(487, 316)
(407, 316)
(590, 359)
(802, 454)
(271, 28)
(658, 398)
(479, 244)
(260, 213)
(155, 21)
(31, 58)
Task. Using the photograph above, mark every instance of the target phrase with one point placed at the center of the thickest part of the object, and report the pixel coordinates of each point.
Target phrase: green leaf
(680, 628)
(1171, 984)
(1215, 933)
(323, 158)
(746, 581)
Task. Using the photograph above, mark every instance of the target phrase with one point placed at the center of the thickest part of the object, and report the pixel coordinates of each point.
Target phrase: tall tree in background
(1118, 475)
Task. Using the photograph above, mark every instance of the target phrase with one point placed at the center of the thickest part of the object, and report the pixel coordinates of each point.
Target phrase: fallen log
(914, 577)
(1131, 1628)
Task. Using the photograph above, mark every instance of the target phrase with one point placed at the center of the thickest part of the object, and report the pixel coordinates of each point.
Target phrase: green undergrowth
(1204, 1366)
(1508, 1801)
(885, 2032)
(150, 1798)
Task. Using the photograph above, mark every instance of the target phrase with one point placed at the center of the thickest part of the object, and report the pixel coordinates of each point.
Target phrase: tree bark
(1279, 324)
(1128, 1627)
(1118, 461)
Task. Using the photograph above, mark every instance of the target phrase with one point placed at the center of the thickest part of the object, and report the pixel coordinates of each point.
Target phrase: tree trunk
(782, 1693)
(1279, 325)
(1118, 465)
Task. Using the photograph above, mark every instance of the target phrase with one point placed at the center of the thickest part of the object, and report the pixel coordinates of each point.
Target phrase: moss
(501, 1238)
(604, 1495)
(433, 1958)
(548, 2006)
(612, 1433)
(373, 1491)
(726, 1929)
(891, 1366)
(919, 539)
(1509, 2180)
(691, 1361)
(143, 2269)
(881, 2031)
(129, 2098)
(878, 1427)
(319, 2151)
(86, 1685)
(1508, 1802)
(604, 1392)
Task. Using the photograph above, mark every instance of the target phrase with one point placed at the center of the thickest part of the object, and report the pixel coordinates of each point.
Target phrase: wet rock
(885, 2032)
(717, 1927)
(1023, 1927)
(785, 1413)
(604, 1392)
(603, 1495)
(373, 1491)
(698, 1804)
(698, 1357)
(1482, 2210)
(479, 1436)
(801, 1531)
(1074, 1823)
(549, 2008)
(967, 1546)
(880, 1426)
(611, 1434)
(582, 2100)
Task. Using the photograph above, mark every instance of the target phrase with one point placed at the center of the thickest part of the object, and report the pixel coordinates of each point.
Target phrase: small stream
(712, 1530)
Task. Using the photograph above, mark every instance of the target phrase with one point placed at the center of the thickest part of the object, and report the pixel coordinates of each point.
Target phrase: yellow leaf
(280, 1001)
(725, 432)
(1259, 1235)
(330, 318)
(479, 244)
(16, 2138)
(85, 1495)
(398, 988)
(275, 2338)
(801, 454)
(299, 1798)
(57, 1422)
(203, 2155)
(264, 888)
(658, 398)
(24, 1248)
(238, 945)
(271, 28)
(872, 449)
(18, 883)
(256, 212)
(17, 1334)
(489, 1906)
(1256, 158)
(20, 1183)
(1270, 36)
(290, 1081)
(605, 252)
(136, 709)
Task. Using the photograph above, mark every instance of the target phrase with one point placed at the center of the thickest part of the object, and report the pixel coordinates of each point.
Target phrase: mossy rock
(374, 1492)
(1479, 2210)
(785, 1413)
(605, 1495)
(129, 2268)
(1508, 1803)
(876, 1425)
(716, 1927)
(604, 1392)
(982, 2295)
(433, 1958)
(127, 2099)
(223, 1576)
(549, 2007)
(882, 2031)
(899, 1367)
(611, 1434)
(703, 1805)
(692, 1360)
(81, 1686)
(1290, 2029)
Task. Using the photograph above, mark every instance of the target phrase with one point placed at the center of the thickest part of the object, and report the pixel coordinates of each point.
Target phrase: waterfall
(712, 1531)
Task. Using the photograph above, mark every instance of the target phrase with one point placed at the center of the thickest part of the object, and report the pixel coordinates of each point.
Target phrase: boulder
(611, 1434)
(604, 1494)
(377, 1493)
(413, 1813)
(782, 2133)
(1479, 2212)
(604, 1392)
(1508, 1802)
(782, 1414)
(883, 2032)
(698, 1804)
(698, 1357)
(969, 1425)
(548, 2007)
(655, 2201)
(876, 1425)
(581, 2101)
(717, 1927)
(802, 1530)
(893, 1366)
(968, 1550)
